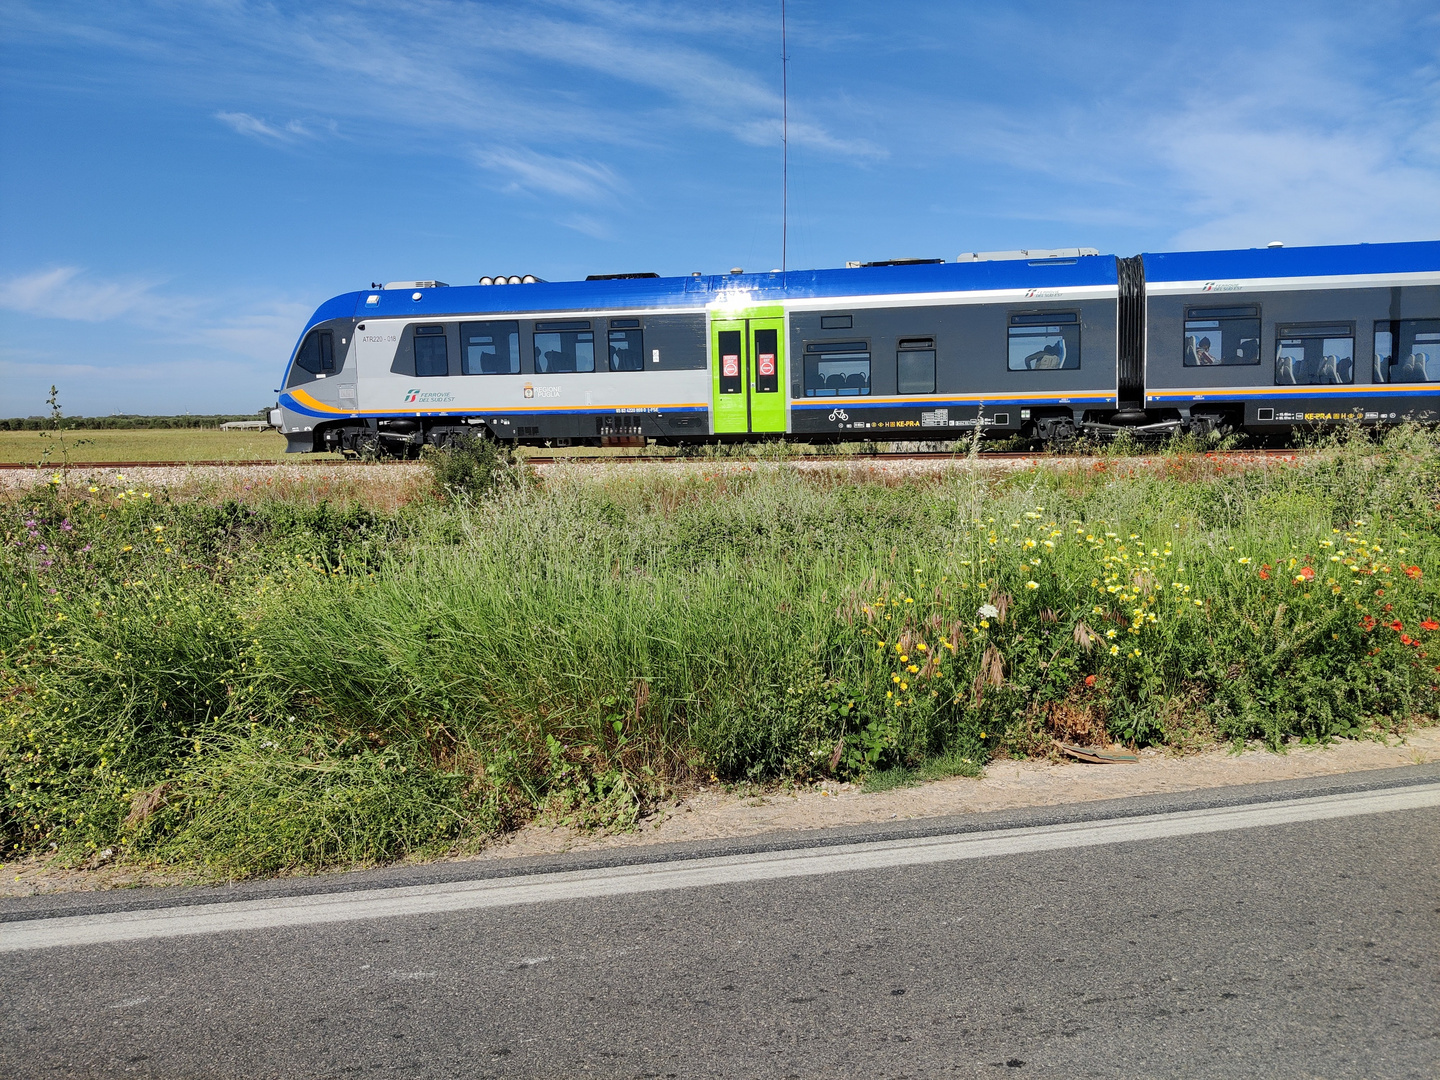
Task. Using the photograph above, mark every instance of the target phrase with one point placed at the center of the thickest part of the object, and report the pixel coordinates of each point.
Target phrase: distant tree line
(105, 423)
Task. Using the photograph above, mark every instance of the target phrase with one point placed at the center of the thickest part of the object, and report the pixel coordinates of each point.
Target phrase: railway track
(555, 459)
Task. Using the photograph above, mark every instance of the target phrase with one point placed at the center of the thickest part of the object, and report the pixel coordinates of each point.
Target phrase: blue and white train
(1044, 345)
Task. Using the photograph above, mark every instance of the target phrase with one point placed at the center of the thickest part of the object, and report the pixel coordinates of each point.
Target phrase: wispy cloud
(571, 178)
(245, 124)
(67, 292)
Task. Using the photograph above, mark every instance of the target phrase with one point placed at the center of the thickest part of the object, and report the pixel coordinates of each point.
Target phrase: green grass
(152, 444)
(273, 685)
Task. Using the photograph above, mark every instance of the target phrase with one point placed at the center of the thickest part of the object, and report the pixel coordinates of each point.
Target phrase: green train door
(748, 376)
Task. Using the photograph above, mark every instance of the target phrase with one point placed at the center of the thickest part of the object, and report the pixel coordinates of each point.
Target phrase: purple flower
(66, 525)
(86, 548)
(47, 562)
(44, 548)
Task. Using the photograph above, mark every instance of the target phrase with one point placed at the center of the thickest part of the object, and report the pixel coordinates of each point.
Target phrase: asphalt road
(1307, 948)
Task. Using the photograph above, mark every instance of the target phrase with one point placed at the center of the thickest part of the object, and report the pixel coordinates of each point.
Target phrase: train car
(887, 350)
(1269, 339)
(1044, 345)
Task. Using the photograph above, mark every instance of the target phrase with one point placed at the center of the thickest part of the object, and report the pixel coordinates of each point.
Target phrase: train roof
(1347, 260)
(697, 293)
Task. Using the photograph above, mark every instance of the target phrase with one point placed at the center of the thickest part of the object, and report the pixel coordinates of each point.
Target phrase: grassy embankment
(264, 683)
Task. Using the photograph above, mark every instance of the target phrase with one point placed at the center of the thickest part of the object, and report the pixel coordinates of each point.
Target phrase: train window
(1310, 355)
(1045, 342)
(837, 369)
(560, 351)
(1215, 336)
(1411, 351)
(915, 366)
(1384, 351)
(767, 366)
(317, 353)
(431, 357)
(837, 322)
(627, 348)
(490, 348)
(731, 379)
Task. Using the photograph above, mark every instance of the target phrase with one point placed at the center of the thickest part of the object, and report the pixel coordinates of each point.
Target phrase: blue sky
(181, 184)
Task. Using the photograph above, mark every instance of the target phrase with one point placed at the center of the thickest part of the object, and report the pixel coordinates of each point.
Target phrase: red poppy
(1412, 571)
(1389, 607)
(1367, 623)
(1430, 624)
(1405, 639)
(1397, 626)
(1265, 572)
(1089, 680)
(1379, 592)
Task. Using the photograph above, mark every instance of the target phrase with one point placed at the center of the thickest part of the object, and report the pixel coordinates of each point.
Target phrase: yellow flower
(912, 669)
(985, 624)
(1245, 561)
(93, 488)
(125, 548)
(904, 686)
(894, 678)
(1110, 633)
(1114, 650)
(904, 659)
(922, 646)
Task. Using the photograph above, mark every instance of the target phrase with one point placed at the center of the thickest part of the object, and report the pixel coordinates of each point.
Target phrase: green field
(271, 681)
(152, 444)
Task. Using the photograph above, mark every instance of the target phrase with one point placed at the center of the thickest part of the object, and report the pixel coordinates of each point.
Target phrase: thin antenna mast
(784, 143)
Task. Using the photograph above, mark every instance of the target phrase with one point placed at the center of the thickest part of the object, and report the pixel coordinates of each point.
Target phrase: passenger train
(1044, 345)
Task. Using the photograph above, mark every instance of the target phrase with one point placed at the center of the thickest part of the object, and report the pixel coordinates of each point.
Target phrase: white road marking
(253, 915)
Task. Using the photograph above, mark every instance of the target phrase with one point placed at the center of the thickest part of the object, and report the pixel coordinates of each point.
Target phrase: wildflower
(1367, 623)
(1089, 680)
(904, 686)
(988, 611)
(913, 669)
(1306, 574)
(1110, 633)
(93, 489)
(1135, 653)
(1265, 572)
(1245, 561)
(894, 678)
(1114, 650)
(1412, 572)
(984, 624)
(922, 647)
(1405, 639)
(1430, 624)
(1032, 585)
(1397, 626)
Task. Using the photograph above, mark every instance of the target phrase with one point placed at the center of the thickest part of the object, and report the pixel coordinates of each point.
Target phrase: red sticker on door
(767, 363)
(730, 365)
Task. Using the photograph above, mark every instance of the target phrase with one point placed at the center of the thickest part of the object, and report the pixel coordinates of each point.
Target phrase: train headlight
(514, 279)
(529, 279)
(487, 280)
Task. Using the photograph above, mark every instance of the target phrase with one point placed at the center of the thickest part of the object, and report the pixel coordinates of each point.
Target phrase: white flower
(1032, 584)
(988, 611)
